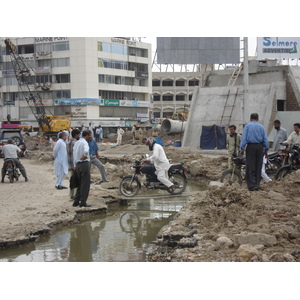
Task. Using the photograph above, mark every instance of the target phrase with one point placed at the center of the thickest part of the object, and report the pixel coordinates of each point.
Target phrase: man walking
(279, 136)
(11, 151)
(232, 143)
(255, 137)
(94, 157)
(81, 161)
(60, 160)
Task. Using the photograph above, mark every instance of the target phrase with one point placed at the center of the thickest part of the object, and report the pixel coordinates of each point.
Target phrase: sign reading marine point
(50, 39)
(278, 47)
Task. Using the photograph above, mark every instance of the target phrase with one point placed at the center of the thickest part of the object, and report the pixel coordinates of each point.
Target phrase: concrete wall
(207, 107)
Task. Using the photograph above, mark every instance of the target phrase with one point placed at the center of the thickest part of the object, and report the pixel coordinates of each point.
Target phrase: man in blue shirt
(255, 138)
(95, 157)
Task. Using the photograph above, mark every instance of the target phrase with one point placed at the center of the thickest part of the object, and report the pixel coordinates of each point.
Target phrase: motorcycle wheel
(129, 187)
(130, 222)
(282, 172)
(179, 182)
(11, 177)
(229, 176)
(272, 167)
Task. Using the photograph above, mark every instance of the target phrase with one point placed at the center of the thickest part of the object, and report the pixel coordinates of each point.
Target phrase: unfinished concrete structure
(272, 89)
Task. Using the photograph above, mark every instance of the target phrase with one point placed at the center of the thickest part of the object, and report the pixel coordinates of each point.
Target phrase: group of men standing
(77, 156)
(254, 142)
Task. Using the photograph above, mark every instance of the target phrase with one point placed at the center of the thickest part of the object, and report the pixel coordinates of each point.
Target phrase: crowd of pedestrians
(254, 143)
(75, 154)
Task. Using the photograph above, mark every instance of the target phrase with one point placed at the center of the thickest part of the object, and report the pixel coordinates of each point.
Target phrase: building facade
(100, 80)
(172, 92)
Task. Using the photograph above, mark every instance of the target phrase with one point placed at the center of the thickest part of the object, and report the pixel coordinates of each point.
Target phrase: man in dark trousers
(81, 161)
(255, 137)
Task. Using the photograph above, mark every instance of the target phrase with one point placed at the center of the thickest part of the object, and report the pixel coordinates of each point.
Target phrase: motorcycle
(11, 170)
(291, 159)
(285, 153)
(130, 185)
(238, 172)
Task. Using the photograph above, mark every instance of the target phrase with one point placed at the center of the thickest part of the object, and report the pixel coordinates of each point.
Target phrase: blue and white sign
(278, 47)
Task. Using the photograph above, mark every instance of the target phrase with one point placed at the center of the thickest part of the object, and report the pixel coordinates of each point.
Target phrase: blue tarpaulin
(213, 137)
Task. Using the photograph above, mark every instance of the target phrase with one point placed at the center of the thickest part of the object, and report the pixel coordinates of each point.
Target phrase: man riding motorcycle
(10, 151)
(160, 161)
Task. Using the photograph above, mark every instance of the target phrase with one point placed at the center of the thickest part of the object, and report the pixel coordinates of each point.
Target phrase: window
(180, 83)
(156, 115)
(167, 82)
(193, 82)
(156, 97)
(43, 78)
(61, 62)
(112, 64)
(62, 78)
(60, 46)
(112, 48)
(138, 52)
(280, 105)
(44, 63)
(59, 94)
(155, 83)
(10, 81)
(115, 79)
(167, 97)
(180, 97)
(25, 49)
(118, 49)
(43, 48)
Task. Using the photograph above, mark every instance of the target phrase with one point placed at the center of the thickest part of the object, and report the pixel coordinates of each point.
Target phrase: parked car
(15, 135)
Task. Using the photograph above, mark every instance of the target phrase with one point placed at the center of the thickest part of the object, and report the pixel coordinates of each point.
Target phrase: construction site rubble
(220, 223)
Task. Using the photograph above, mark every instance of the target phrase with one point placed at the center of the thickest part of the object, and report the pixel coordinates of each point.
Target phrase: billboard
(198, 50)
(278, 47)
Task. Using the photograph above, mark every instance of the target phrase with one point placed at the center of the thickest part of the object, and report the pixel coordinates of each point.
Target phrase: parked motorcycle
(238, 172)
(130, 185)
(285, 153)
(291, 159)
(11, 170)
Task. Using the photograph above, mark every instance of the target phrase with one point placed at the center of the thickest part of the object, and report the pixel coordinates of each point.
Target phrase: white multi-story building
(172, 92)
(100, 80)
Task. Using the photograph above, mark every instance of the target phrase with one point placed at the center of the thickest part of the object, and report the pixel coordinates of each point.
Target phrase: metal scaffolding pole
(245, 79)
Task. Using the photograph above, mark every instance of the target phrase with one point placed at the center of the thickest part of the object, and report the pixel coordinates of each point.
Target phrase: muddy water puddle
(124, 234)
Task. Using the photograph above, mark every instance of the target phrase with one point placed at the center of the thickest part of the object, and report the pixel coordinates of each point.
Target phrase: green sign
(108, 102)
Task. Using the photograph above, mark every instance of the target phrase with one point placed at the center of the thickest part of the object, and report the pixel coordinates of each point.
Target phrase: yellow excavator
(180, 116)
(48, 123)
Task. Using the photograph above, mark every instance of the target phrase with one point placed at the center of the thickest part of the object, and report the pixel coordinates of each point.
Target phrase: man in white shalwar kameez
(120, 133)
(60, 160)
(160, 161)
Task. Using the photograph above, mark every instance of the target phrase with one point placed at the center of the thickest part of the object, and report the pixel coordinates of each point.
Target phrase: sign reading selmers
(278, 47)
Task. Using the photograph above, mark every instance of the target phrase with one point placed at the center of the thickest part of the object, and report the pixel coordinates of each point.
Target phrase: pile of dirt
(229, 223)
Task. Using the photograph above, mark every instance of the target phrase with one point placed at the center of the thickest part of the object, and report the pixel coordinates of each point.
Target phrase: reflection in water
(124, 234)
